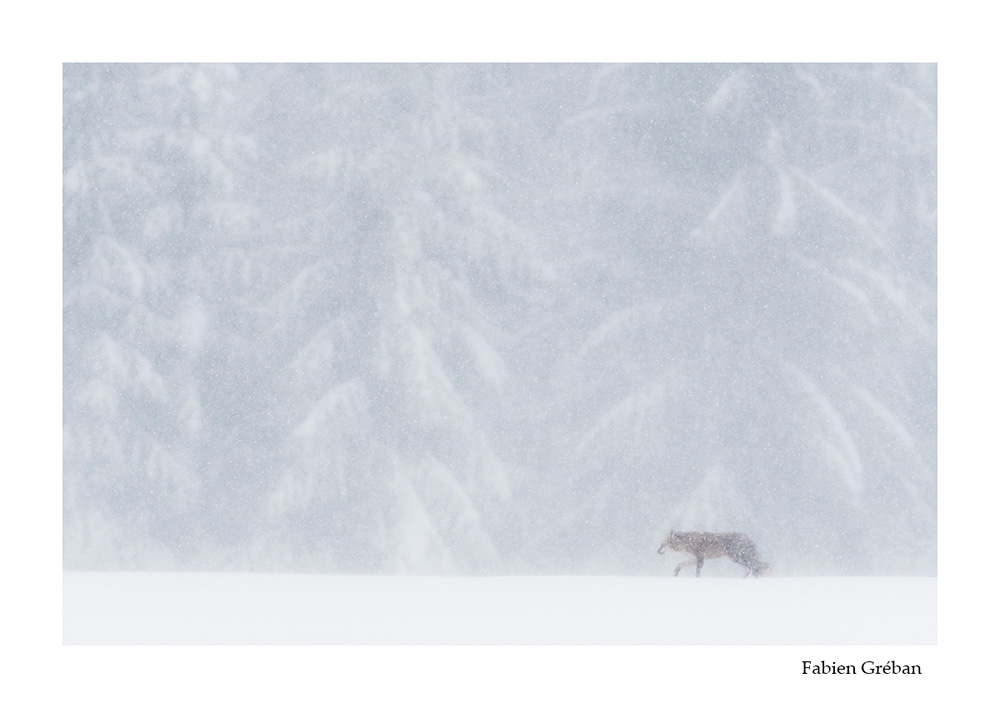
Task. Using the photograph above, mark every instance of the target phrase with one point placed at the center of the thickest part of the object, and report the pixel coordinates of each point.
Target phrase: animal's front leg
(701, 562)
(683, 565)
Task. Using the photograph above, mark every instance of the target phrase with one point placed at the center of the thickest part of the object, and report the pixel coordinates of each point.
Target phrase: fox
(737, 547)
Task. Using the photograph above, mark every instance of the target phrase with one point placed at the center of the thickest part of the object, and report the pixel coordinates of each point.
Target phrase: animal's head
(668, 542)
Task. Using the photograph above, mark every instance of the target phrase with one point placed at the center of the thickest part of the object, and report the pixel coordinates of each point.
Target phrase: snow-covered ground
(191, 608)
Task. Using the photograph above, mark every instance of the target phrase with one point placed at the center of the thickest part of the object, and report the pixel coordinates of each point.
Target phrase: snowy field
(262, 609)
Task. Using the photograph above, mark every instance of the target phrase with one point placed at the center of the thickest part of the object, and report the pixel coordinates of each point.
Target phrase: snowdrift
(265, 609)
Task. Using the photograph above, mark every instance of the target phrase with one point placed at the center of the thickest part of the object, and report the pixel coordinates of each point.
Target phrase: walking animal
(737, 547)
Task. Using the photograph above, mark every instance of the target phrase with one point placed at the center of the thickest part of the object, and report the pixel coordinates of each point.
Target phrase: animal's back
(716, 545)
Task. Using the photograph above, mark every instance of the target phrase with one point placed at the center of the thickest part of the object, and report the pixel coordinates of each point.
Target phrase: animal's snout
(660, 550)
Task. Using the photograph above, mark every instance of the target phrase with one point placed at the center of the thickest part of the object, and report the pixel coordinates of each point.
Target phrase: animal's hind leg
(701, 562)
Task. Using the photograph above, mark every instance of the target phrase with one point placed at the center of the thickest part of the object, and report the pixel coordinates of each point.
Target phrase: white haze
(498, 319)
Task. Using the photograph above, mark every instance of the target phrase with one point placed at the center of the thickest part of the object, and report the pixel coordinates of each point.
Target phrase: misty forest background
(498, 318)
